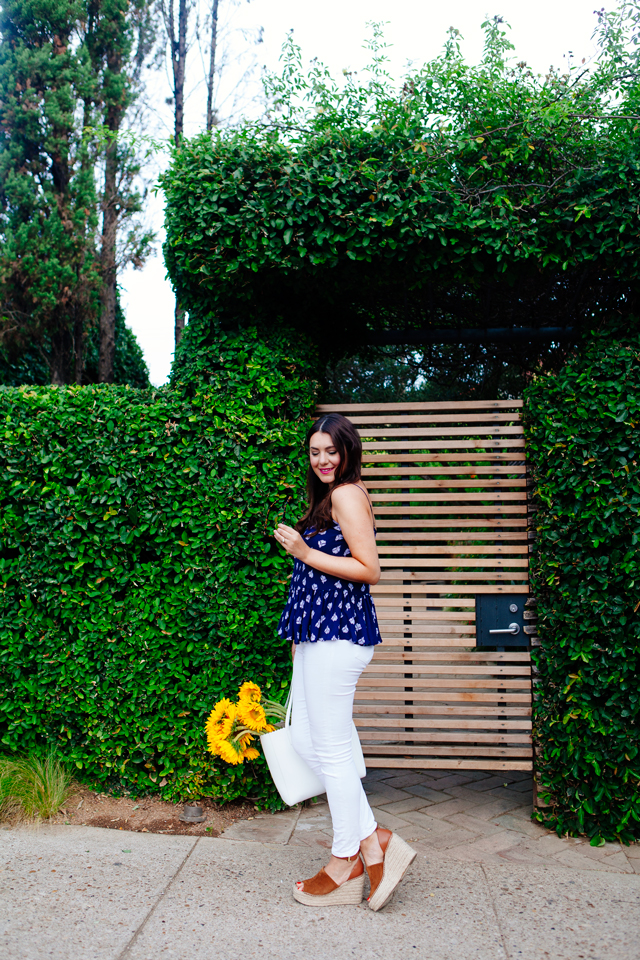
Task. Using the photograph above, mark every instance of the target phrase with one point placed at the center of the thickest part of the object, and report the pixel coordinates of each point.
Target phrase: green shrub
(138, 579)
(582, 436)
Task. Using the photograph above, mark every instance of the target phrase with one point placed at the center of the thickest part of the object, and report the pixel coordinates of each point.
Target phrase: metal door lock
(500, 622)
(513, 629)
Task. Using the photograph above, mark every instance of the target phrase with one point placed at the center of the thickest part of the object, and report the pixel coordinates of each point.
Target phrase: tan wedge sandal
(321, 890)
(385, 877)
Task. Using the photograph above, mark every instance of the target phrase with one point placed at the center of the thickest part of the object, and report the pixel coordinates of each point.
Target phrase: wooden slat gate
(449, 488)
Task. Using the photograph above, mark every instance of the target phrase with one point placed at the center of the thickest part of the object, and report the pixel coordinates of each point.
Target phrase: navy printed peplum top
(322, 607)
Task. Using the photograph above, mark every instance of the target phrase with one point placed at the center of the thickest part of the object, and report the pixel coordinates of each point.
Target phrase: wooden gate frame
(448, 483)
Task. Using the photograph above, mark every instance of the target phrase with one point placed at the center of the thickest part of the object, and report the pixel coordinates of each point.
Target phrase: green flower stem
(274, 709)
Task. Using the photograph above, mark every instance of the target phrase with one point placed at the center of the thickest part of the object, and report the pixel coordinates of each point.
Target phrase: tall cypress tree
(69, 71)
(49, 276)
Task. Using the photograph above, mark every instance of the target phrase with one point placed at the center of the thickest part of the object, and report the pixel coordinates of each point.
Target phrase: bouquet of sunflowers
(231, 726)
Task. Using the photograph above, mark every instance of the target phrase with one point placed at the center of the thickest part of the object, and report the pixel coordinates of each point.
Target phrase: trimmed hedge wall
(582, 436)
(138, 580)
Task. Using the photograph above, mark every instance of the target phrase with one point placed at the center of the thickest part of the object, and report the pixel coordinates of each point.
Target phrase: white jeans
(324, 682)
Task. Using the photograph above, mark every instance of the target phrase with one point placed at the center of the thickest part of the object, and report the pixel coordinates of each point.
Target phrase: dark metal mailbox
(500, 621)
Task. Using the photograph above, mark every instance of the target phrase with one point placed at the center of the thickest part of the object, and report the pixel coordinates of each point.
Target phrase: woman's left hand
(291, 540)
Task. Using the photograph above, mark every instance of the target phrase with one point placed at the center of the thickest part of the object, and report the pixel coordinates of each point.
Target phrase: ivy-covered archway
(471, 197)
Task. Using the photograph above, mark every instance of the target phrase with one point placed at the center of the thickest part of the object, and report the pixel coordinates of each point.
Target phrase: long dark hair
(346, 440)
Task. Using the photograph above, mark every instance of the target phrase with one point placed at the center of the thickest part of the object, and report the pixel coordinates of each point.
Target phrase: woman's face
(323, 457)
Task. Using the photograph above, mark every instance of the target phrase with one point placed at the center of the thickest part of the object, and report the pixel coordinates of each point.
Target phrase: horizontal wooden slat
(451, 696)
(418, 589)
(489, 429)
(424, 669)
(451, 576)
(446, 629)
(394, 625)
(426, 578)
(419, 723)
(370, 446)
(490, 511)
(472, 456)
(419, 641)
(509, 711)
(426, 628)
(474, 589)
(444, 405)
(448, 550)
(418, 560)
(446, 485)
(403, 634)
(449, 751)
(479, 656)
(465, 418)
(410, 608)
(446, 496)
(461, 470)
(446, 621)
(456, 552)
(390, 736)
(430, 604)
(453, 658)
(460, 589)
(419, 678)
(453, 509)
(437, 534)
(419, 763)
(478, 527)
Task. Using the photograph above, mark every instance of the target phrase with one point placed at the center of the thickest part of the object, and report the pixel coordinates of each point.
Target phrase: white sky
(543, 32)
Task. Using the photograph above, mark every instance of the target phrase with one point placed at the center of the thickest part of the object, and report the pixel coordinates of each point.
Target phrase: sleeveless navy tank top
(322, 607)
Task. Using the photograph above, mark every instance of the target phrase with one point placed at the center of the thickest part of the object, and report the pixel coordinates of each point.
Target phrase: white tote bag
(293, 778)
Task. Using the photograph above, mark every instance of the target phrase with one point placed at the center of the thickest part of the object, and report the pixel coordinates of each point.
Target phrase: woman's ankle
(340, 869)
(370, 848)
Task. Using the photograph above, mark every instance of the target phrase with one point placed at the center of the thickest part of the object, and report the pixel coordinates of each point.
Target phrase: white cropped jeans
(324, 682)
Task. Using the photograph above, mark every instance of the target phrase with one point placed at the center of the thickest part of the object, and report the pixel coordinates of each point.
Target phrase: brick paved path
(463, 816)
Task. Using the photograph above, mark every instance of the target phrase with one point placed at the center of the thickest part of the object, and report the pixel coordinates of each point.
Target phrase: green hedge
(138, 580)
(582, 435)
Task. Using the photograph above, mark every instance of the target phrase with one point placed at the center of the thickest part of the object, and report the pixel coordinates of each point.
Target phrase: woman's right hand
(293, 651)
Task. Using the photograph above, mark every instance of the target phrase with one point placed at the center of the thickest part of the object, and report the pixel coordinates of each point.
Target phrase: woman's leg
(330, 671)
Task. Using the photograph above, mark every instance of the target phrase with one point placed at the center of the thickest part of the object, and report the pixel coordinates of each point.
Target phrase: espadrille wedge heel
(321, 890)
(385, 876)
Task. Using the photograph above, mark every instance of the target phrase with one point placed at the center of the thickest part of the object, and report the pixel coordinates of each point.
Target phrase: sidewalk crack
(294, 825)
(495, 913)
(129, 946)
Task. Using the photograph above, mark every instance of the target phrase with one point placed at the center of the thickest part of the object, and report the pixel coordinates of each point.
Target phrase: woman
(331, 622)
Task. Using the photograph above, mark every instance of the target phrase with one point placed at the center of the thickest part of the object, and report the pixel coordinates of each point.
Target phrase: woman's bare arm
(351, 511)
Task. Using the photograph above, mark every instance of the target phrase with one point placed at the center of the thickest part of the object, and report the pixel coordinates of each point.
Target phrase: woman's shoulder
(348, 494)
(349, 490)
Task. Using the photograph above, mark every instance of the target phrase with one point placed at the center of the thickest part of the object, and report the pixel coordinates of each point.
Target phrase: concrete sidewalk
(79, 893)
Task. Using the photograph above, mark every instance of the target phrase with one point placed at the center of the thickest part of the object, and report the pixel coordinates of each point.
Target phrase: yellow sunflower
(250, 754)
(252, 715)
(221, 719)
(250, 692)
(213, 744)
(243, 740)
(229, 753)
